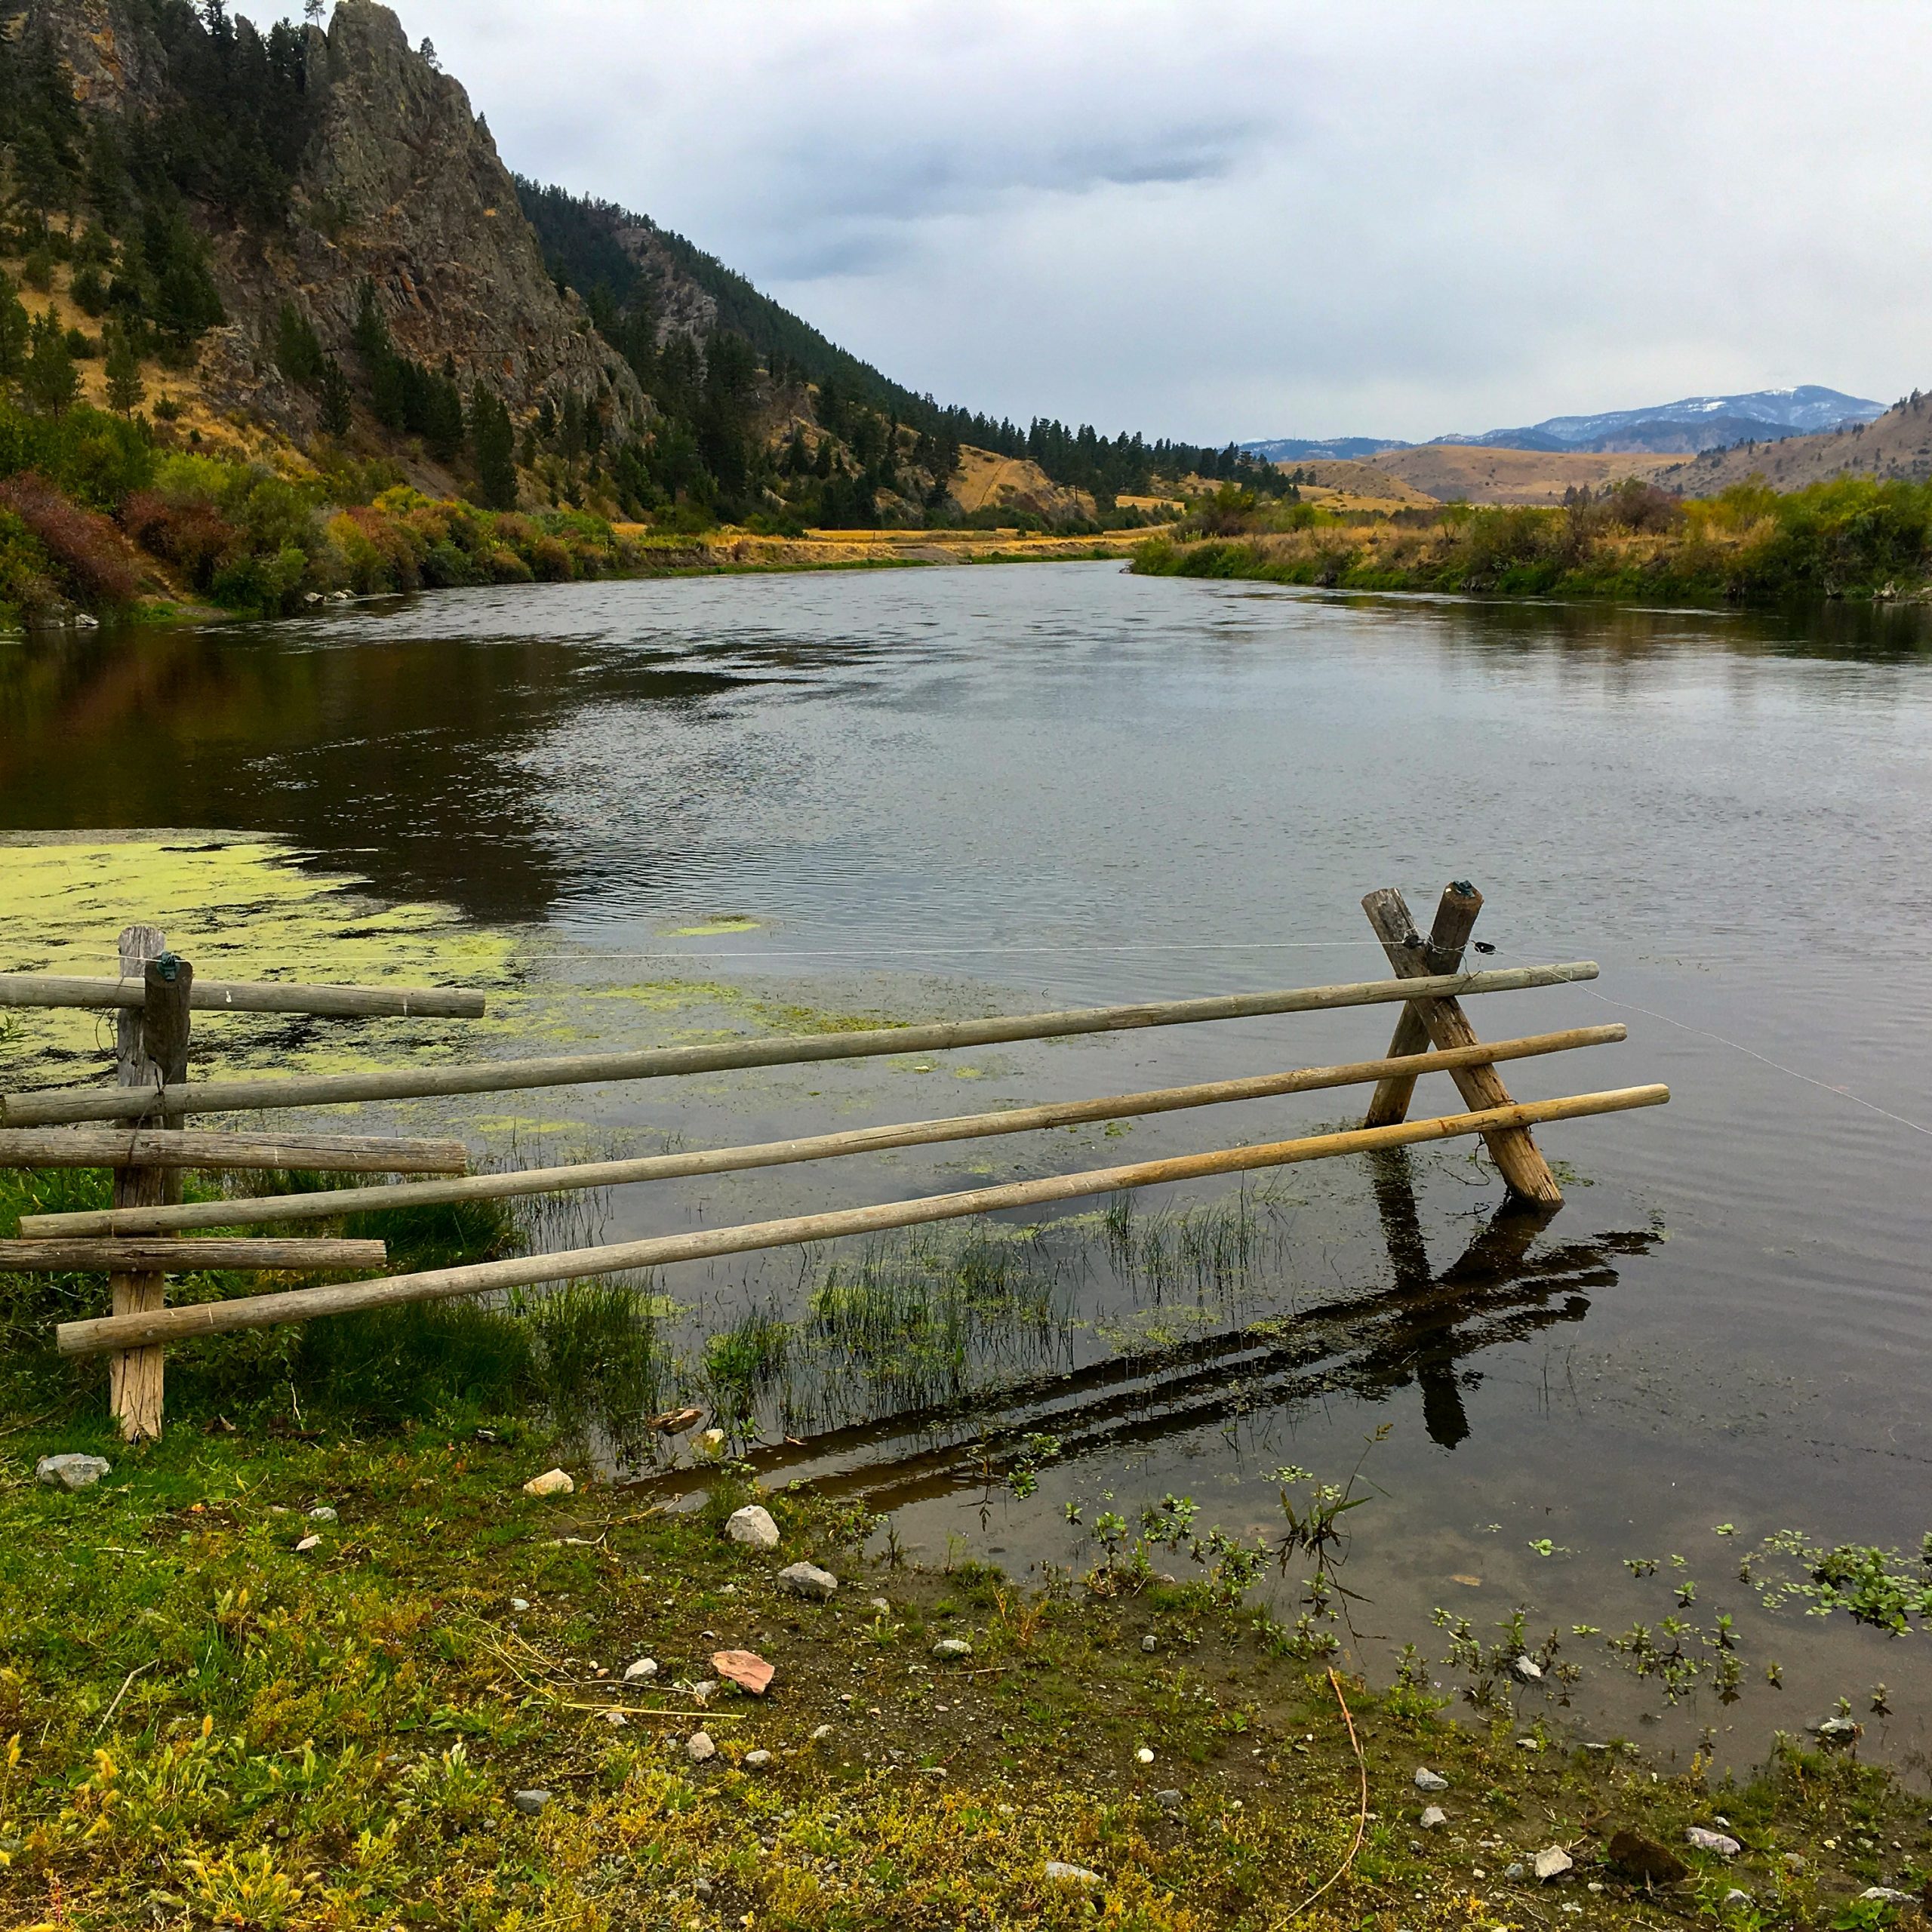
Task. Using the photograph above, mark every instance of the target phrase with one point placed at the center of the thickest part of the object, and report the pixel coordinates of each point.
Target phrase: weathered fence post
(1455, 918)
(1446, 1024)
(152, 1049)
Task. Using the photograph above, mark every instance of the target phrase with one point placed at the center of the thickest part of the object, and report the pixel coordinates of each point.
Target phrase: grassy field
(211, 1724)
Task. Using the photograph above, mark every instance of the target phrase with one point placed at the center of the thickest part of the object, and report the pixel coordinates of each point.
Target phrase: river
(984, 790)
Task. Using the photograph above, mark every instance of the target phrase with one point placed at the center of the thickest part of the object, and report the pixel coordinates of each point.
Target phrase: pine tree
(336, 410)
(495, 438)
(50, 380)
(298, 350)
(124, 387)
(16, 330)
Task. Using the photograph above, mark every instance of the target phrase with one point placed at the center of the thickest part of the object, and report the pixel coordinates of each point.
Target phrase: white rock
(1150, 1644)
(308, 1543)
(1429, 1780)
(759, 1760)
(1885, 1895)
(1071, 1875)
(807, 1580)
(709, 1441)
(1734, 1897)
(530, 1802)
(699, 1748)
(822, 1733)
(1143, 1756)
(878, 1603)
(1168, 1800)
(1434, 1818)
(643, 1667)
(953, 1646)
(1552, 1862)
(1528, 1669)
(1513, 1872)
(753, 1525)
(519, 1605)
(551, 1482)
(322, 1513)
(72, 1471)
(615, 1719)
(1701, 1840)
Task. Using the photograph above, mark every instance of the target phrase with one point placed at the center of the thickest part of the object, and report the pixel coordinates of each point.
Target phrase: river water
(941, 792)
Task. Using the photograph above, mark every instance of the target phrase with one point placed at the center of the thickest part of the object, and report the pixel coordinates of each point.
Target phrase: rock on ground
(551, 1482)
(1552, 1862)
(745, 1669)
(948, 1648)
(530, 1802)
(753, 1525)
(1434, 1818)
(759, 1760)
(1429, 1780)
(1709, 1841)
(72, 1471)
(807, 1580)
(644, 1667)
(699, 1748)
(1644, 1858)
(1071, 1875)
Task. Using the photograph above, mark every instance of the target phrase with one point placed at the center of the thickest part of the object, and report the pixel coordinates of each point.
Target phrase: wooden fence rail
(174, 1324)
(140, 1241)
(56, 1105)
(53, 989)
(326, 1205)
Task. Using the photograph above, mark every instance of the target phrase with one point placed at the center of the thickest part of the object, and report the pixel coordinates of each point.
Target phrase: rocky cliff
(399, 185)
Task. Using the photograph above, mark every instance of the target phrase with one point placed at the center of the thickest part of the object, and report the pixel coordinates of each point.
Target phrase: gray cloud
(1258, 219)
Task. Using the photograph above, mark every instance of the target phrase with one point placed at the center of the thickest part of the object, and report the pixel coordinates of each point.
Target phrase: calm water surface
(979, 790)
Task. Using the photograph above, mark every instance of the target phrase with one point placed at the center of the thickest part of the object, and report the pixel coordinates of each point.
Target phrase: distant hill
(1897, 443)
(1482, 473)
(1334, 449)
(1684, 427)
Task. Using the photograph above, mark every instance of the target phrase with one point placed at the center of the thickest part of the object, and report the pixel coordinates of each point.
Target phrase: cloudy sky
(1226, 219)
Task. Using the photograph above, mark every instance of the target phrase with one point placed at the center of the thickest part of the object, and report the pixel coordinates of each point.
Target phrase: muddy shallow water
(669, 811)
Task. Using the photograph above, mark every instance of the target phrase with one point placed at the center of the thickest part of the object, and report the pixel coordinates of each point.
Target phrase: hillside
(1473, 473)
(1897, 444)
(1691, 423)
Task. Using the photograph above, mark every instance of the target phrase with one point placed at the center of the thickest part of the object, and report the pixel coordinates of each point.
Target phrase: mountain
(1896, 444)
(1691, 424)
(1332, 449)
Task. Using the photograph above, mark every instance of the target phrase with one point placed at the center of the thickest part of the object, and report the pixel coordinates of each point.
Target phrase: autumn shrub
(190, 533)
(85, 549)
(550, 560)
(27, 572)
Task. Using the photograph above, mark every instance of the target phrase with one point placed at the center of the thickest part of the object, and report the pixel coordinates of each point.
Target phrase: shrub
(87, 549)
(190, 533)
(27, 572)
(89, 290)
(550, 561)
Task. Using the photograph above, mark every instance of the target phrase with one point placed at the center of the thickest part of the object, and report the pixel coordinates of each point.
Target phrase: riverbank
(264, 1680)
(1852, 538)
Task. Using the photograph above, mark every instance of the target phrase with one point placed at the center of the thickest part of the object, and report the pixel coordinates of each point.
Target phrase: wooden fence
(145, 1235)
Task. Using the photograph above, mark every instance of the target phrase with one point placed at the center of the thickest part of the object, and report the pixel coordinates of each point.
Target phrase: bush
(87, 549)
(190, 533)
(27, 572)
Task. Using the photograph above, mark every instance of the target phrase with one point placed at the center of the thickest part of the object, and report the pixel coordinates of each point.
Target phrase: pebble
(1838, 1730)
(530, 1802)
(1734, 1897)
(1885, 1895)
(1168, 1800)
(1528, 1669)
(322, 1513)
(72, 1471)
(1143, 1756)
(1702, 1839)
(1429, 1780)
(1433, 1819)
(1515, 1872)
(1552, 1862)
(703, 1888)
(953, 1646)
(1071, 1875)
(759, 1760)
(308, 1543)
(878, 1603)
(519, 1605)
(822, 1733)
(807, 1580)
(615, 1719)
(551, 1482)
(643, 1667)
(1150, 1644)
(699, 1748)
(1794, 1860)
(1646, 1859)
(752, 1526)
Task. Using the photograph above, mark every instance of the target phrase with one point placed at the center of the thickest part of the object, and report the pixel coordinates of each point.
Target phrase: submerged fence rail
(136, 1239)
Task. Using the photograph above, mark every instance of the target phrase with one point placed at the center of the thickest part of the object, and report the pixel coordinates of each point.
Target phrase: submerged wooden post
(1446, 1024)
(1455, 918)
(151, 1043)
